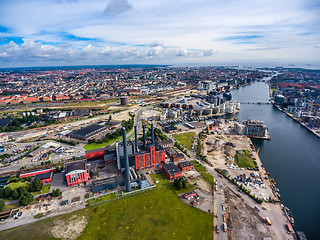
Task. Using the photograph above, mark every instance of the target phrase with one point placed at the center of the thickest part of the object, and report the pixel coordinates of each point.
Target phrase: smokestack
(126, 160)
(144, 135)
(135, 138)
(152, 134)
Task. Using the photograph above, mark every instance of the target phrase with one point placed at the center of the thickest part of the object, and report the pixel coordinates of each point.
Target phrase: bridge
(258, 103)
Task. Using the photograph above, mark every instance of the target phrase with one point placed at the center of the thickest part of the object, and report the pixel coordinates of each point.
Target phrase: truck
(268, 221)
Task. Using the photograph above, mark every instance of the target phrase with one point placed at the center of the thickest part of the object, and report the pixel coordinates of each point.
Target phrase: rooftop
(171, 168)
(79, 165)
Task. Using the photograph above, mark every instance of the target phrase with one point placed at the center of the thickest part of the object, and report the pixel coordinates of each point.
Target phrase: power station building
(140, 156)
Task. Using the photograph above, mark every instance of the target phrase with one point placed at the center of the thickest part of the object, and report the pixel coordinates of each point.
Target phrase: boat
(289, 215)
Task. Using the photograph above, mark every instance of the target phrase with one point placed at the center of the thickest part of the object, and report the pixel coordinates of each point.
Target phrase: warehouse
(107, 183)
(76, 172)
(40, 172)
(87, 132)
(185, 166)
(171, 171)
(45, 177)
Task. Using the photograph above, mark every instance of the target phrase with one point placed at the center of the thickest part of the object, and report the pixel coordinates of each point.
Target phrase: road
(273, 211)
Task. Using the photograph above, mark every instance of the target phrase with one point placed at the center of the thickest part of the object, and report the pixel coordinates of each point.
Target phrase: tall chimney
(135, 138)
(152, 134)
(126, 160)
(144, 135)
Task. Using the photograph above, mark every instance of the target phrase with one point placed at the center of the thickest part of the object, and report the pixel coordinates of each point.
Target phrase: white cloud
(160, 30)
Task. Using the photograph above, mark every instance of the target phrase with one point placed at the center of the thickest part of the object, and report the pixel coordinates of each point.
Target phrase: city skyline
(72, 32)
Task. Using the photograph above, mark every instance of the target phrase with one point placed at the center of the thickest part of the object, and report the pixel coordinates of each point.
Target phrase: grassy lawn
(244, 161)
(15, 185)
(198, 167)
(10, 206)
(208, 177)
(205, 174)
(45, 189)
(185, 139)
(156, 214)
(101, 199)
(159, 177)
(91, 146)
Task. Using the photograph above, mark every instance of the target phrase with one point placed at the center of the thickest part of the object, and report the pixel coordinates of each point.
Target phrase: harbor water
(292, 156)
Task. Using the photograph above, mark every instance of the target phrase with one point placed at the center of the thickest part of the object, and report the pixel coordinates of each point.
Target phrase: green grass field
(244, 161)
(91, 146)
(11, 206)
(15, 185)
(155, 214)
(198, 167)
(185, 139)
(205, 174)
(45, 189)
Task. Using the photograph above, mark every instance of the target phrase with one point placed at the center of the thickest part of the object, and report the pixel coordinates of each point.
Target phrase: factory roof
(171, 168)
(43, 176)
(79, 165)
(185, 164)
(107, 181)
(5, 121)
(86, 131)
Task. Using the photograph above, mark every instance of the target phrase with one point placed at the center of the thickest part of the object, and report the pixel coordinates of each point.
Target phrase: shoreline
(289, 115)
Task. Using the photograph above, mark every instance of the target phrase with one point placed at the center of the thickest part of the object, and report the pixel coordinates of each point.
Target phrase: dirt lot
(69, 228)
(243, 222)
(221, 150)
(149, 113)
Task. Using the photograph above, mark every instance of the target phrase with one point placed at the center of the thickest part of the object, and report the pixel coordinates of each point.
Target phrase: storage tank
(124, 101)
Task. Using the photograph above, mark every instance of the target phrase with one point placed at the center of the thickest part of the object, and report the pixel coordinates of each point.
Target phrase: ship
(289, 215)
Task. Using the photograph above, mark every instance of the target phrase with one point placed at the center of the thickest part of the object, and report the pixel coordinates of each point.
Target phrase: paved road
(273, 211)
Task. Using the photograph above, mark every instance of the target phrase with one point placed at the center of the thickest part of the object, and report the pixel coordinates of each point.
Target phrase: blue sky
(180, 32)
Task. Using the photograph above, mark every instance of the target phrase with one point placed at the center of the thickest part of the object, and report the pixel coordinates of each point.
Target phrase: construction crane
(59, 123)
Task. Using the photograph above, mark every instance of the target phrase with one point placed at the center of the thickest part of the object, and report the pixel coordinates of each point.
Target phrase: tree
(28, 178)
(15, 194)
(35, 185)
(54, 193)
(7, 192)
(22, 190)
(58, 192)
(26, 199)
(2, 193)
(1, 205)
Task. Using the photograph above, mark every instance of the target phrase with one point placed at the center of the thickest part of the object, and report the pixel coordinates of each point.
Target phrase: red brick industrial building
(76, 173)
(171, 171)
(150, 159)
(185, 166)
(45, 175)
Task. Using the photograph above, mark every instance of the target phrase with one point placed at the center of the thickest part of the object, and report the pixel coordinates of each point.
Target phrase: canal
(292, 157)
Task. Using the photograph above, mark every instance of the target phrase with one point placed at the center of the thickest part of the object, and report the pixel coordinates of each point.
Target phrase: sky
(180, 32)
